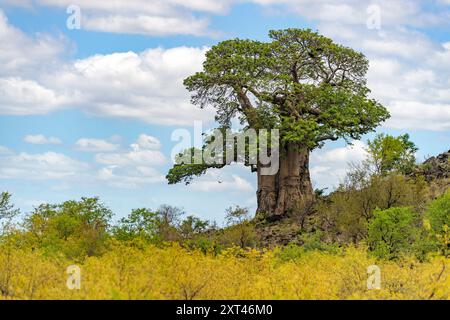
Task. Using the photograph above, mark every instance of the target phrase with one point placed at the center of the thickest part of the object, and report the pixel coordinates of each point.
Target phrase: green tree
(438, 222)
(393, 232)
(388, 153)
(141, 223)
(75, 228)
(163, 224)
(192, 226)
(301, 83)
(7, 212)
(236, 215)
(240, 231)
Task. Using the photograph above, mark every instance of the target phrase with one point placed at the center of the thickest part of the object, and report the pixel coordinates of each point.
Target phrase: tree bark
(267, 194)
(290, 189)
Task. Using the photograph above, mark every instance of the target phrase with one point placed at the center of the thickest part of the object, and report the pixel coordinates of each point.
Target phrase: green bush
(291, 252)
(242, 235)
(438, 222)
(345, 213)
(308, 241)
(240, 231)
(314, 241)
(393, 233)
(76, 229)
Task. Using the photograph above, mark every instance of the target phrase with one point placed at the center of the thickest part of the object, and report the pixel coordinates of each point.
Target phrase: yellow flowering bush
(172, 272)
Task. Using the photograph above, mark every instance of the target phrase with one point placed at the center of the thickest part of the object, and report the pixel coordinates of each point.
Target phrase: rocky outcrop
(435, 168)
(278, 233)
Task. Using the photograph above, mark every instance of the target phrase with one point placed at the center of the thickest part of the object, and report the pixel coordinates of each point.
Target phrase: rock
(279, 233)
(435, 167)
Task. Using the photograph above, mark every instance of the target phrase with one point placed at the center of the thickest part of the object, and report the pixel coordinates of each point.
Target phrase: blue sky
(90, 111)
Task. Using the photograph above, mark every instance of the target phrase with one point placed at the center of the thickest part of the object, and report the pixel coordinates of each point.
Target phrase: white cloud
(329, 167)
(27, 97)
(130, 177)
(147, 142)
(23, 59)
(147, 86)
(4, 150)
(129, 168)
(155, 17)
(44, 166)
(352, 152)
(23, 54)
(406, 66)
(132, 158)
(41, 139)
(409, 72)
(95, 145)
(148, 25)
(355, 12)
(133, 167)
(419, 116)
(144, 152)
(153, 7)
(416, 93)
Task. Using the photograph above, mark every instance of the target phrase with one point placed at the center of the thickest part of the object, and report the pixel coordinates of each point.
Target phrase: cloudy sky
(90, 111)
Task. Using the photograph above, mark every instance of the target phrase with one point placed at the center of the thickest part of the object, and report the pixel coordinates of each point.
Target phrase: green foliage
(388, 153)
(7, 214)
(301, 83)
(164, 224)
(236, 215)
(392, 233)
(206, 244)
(75, 228)
(242, 235)
(189, 164)
(291, 252)
(7, 210)
(141, 223)
(192, 226)
(315, 241)
(240, 230)
(306, 241)
(438, 222)
(344, 213)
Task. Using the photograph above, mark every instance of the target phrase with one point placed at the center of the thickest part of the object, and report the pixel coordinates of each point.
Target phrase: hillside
(435, 171)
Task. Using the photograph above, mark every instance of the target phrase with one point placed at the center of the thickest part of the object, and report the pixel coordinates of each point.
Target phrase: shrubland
(382, 214)
(173, 272)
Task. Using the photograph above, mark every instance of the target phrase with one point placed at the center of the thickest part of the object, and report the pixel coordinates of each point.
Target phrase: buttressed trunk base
(287, 191)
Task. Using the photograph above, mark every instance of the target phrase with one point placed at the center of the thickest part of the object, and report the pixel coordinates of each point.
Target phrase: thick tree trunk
(294, 182)
(290, 189)
(267, 194)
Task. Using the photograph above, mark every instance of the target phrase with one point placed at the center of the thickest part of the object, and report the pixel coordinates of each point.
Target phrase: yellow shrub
(171, 272)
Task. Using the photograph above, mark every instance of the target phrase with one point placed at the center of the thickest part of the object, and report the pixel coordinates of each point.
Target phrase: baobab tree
(303, 84)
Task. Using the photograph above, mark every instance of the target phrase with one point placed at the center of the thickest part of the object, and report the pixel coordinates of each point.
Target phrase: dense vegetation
(172, 272)
(384, 213)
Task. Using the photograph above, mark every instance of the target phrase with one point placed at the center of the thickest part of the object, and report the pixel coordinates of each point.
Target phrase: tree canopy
(389, 153)
(300, 82)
